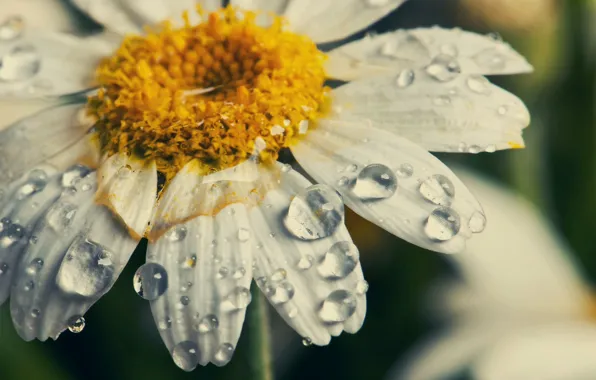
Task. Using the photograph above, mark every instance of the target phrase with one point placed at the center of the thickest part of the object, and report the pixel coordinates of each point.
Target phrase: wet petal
(437, 108)
(415, 48)
(75, 252)
(208, 265)
(42, 136)
(46, 14)
(41, 64)
(276, 6)
(129, 188)
(326, 21)
(392, 183)
(316, 285)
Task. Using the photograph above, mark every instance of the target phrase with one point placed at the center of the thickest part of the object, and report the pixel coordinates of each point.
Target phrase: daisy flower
(178, 142)
(521, 308)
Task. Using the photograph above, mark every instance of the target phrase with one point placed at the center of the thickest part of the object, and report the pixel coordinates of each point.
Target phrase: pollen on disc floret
(209, 92)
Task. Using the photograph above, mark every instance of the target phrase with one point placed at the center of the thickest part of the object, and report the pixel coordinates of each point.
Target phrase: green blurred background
(556, 171)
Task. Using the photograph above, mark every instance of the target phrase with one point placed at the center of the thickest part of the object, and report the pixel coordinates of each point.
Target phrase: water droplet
(339, 261)
(279, 275)
(3, 268)
(305, 262)
(61, 215)
(29, 286)
(376, 3)
(437, 189)
(442, 224)
(34, 266)
(184, 300)
(405, 171)
(223, 354)
(35, 313)
(243, 234)
(338, 307)
(361, 287)
(277, 288)
(502, 110)
(343, 181)
(310, 215)
(306, 342)
(443, 68)
(490, 148)
(239, 273)
(11, 233)
(190, 262)
(405, 78)
(11, 28)
(207, 324)
(76, 324)
(150, 281)
(36, 182)
(186, 355)
(292, 312)
(222, 273)
(442, 100)
(21, 63)
(478, 84)
(474, 149)
(164, 324)
(477, 222)
(285, 168)
(490, 59)
(239, 298)
(124, 172)
(73, 175)
(375, 181)
(177, 233)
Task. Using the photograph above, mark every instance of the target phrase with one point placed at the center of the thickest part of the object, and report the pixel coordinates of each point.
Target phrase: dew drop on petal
(239, 298)
(478, 84)
(73, 174)
(60, 216)
(437, 189)
(362, 287)
(338, 307)
(306, 342)
(243, 234)
(315, 213)
(405, 78)
(177, 233)
(11, 28)
(34, 266)
(186, 355)
(450, 50)
(442, 224)
(490, 59)
(21, 63)
(150, 281)
(339, 261)
(76, 324)
(305, 262)
(443, 68)
(405, 171)
(4, 268)
(208, 324)
(223, 354)
(375, 182)
(477, 222)
(376, 3)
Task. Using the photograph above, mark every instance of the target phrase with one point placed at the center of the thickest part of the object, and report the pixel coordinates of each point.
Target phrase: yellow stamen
(208, 92)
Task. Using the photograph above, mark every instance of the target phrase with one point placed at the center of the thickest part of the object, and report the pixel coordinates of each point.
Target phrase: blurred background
(556, 172)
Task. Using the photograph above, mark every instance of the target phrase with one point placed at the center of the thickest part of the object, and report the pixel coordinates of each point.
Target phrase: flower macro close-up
(226, 141)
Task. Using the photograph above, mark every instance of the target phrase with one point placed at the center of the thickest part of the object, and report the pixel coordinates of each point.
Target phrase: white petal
(44, 14)
(41, 64)
(413, 49)
(276, 6)
(111, 14)
(129, 188)
(464, 114)
(327, 21)
(209, 271)
(557, 352)
(76, 253)
(39, 137)
(495, 269)
(293, 272)
(13, 111)
(430, 207)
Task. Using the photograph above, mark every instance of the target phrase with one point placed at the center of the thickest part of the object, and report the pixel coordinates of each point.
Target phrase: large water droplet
(315, 213)
(442, 224)
(405, 78)
(443, 68)
(208, 324)
(74, 174)
(223, 354)
(239, 298)
(280, 292)
(150, 281)
(478, 84)
(375, 181)
(450, 50)
(437, 189)
(11, 28)
(339, 261)
(477, 222)
(76, 324)
(186, 355)
(83, 270)
(305, 262)
(11, 233)
(338, 307)
(21, 63)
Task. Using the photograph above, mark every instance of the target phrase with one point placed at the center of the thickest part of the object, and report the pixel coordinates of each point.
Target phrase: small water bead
(292, 312)
(76, 324)
(285, 168)
(239, 298)
(186, 355)
(490, 59)
(165, 324)
(475, 149)
(61, 215)
(281, 292)
(502, 110)
(11, 28)
(21, 63)
(82, 270)
(279, 275)
(4, 268)
(305, 262)
(124, 172)
(35, 313)
(73, 175)
(405, 78)
(29, 286)
(351, 168)
(437, 189)
(208, 324)
(405, 171)
(34, 266)
(222, 273)
(239, 273)
(443, 68)
(315, 213)
(491, 148)
(11, 233)
(339, 261)
(375, 182)
(478, 84)
(36, 182)
(186, 287)
(477, 222)
(150, 281)
(338, 307)
(223, 354)
(361, 287)
(243, 234)
(176, 234)
(442, 100)
(306, 342)
(442, 224)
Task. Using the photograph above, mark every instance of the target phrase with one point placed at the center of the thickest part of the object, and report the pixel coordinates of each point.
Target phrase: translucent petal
(47, 14)
(208, 262)
(437, 108)
(415, 48)
(392, 183)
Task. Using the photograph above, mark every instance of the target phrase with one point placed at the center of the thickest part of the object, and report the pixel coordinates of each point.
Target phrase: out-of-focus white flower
(179, 144)
(520, 310)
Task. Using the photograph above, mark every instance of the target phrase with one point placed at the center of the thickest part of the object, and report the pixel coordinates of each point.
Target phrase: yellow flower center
(218, 92)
